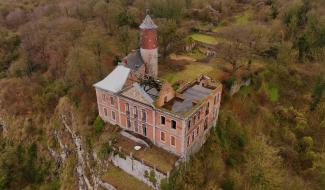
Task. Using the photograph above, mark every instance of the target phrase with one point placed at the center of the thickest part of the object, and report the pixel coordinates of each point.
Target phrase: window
(144, 115)
(104, 97)
(112, 100)
(208, 108)
(206, 124)
(135, 111)
(144, 128)
(162, 120)
(173, 124)
(189, 125)
(188, 140)
(105, 112)
(113, 115)
(215, 100)
(193, 136)
(162, 136)
(127, 107)
(194, 119)
(197, 131)
(199, 115)
(172, 141)
(136, 126)
(128, 123)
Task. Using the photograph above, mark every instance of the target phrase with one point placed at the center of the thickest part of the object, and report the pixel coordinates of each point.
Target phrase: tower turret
(149, 45)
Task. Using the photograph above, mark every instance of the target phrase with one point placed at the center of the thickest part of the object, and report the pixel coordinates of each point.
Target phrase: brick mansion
(133, 98)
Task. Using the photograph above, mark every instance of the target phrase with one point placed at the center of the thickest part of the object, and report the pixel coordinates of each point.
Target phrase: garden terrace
(117, 178)
(152, 156)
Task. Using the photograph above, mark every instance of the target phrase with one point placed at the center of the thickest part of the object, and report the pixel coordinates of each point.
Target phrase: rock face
(87, 176)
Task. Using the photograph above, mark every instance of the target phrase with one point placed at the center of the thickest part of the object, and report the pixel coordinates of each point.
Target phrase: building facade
(175, 120)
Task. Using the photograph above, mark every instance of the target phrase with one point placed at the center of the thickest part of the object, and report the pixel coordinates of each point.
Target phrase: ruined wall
(137, 169)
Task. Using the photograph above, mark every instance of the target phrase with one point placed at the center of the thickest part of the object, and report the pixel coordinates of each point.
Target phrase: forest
(270, 133)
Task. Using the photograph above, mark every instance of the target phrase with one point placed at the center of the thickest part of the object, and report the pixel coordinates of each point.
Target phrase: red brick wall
(169, 132)
(166, 92)
(149, 39)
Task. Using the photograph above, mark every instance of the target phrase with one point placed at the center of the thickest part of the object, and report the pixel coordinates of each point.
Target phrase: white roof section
(115, 81)
(148, 23)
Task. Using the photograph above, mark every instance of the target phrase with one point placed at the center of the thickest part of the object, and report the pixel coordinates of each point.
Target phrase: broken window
(173, 124)
(104, 97)
(128, 123)
(144, 115)
(162, 136)
(189, 125)
(144, 128)
(208, 108)
(127, 107)
(172, 141)
(112, 100)
(105, 112)
(162, 120)
(206, 124)
(135, 112)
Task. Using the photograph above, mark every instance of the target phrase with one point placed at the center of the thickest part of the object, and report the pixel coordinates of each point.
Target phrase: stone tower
(149, 46)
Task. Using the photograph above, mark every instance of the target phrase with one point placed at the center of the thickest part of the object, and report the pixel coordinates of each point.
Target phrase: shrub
(228, 185)
(98, 125)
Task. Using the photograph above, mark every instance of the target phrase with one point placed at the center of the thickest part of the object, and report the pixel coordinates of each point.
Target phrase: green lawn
(242, 19)
(123, 181)
(204, 38)
(190, 72)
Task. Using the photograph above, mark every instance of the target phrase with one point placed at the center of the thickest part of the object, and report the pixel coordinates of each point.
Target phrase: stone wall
(137, 169)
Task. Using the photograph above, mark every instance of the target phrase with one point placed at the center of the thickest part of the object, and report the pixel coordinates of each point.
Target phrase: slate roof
(134, 60)
(148, 23)
(115, 81)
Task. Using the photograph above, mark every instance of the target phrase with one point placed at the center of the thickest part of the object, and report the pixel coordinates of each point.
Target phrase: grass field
(118, 179)
(190, 72)
(204, 38)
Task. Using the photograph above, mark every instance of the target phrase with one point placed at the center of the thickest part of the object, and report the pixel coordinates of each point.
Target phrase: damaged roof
(134, 60)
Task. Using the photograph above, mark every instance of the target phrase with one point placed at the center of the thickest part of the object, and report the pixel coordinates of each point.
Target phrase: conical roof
(148, 23)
